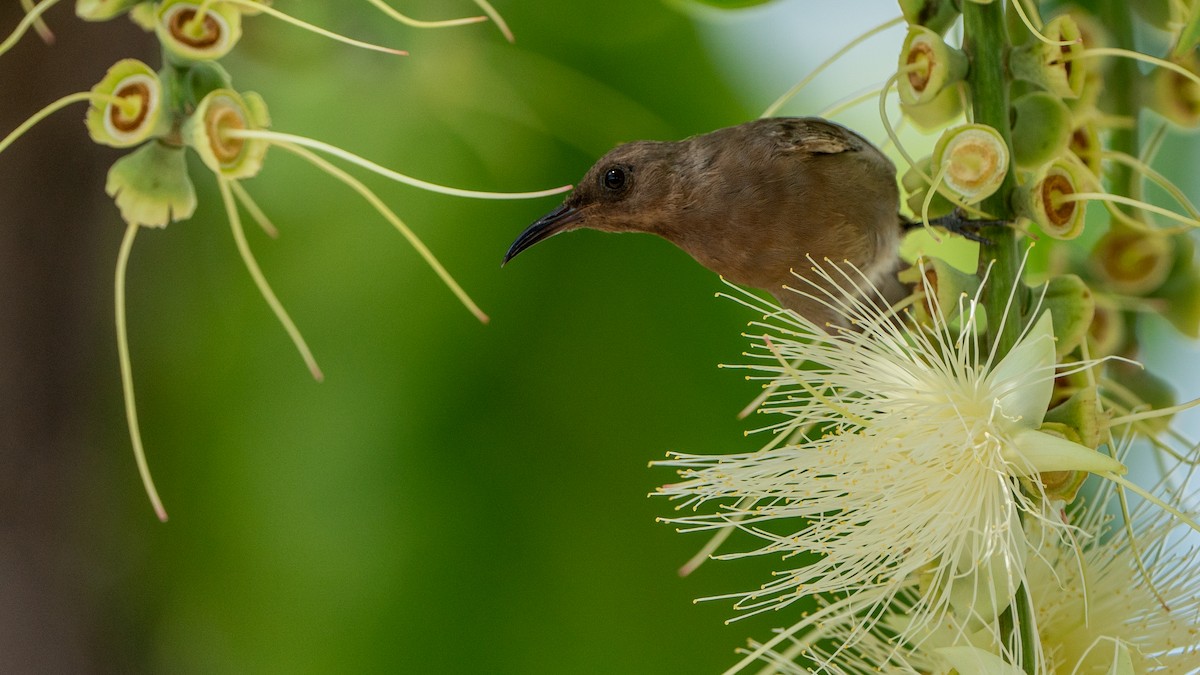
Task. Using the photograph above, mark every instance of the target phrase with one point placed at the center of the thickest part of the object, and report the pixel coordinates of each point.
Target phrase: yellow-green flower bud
(928, 66)
(936, 15)
(190, 33)
(1131, 262)
(1072, 308)
(1053, 67)
(938, 204)
(135, 113)
(1082, 413)
(973, 160)
(1177, 97)
(1044, 198)
(945, 108)
(917, 187)
(1041, 128)
(102, 10)
(142, 15)
(151, 186)
(220, 112)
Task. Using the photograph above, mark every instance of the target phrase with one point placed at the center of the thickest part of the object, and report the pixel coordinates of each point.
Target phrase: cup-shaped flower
(1085, 144)
(972, 160)
(103, 10)
(1131, 262)
(127, 108)
(151, 186)
(1052, 65)
(206, 131)
(1044, 198)
(901, 455)
(1176, 96)
(192, 31)
(1108, 333)
(928, 66)
(1042, 128)
(936, 15)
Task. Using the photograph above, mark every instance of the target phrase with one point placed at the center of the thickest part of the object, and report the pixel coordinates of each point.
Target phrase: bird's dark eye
(614, 179)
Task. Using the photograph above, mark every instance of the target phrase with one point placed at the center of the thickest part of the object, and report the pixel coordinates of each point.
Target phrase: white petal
(1033, 451)
(976, 661)
(990, 573)
(1024, 378)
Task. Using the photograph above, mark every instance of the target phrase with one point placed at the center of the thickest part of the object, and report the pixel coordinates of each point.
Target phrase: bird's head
(628, 190)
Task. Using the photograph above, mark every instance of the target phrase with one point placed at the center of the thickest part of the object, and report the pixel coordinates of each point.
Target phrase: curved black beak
(547, 226)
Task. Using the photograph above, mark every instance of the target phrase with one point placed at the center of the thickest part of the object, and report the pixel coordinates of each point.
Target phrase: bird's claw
(957, 223)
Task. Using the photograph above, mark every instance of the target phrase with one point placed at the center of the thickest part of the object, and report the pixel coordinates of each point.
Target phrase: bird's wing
(815, 136)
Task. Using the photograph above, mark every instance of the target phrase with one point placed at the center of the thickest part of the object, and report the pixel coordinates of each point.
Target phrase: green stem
(986, 45)
(1121, 90)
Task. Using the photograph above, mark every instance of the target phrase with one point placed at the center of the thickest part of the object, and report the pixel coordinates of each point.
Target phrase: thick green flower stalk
(190, 104)
(924, 486)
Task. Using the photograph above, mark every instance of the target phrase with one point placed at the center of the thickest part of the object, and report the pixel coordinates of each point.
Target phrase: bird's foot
(956, 222)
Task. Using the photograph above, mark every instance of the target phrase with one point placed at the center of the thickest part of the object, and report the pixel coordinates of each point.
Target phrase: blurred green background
(455, 497)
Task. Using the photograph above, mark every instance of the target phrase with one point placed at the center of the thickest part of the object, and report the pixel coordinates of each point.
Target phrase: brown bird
(750, 202)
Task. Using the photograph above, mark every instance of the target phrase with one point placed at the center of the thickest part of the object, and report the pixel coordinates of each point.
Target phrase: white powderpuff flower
(1117, 599)
(899, 464)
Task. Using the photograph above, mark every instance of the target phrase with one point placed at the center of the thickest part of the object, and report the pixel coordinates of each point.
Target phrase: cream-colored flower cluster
(190, 103)
(945, 485)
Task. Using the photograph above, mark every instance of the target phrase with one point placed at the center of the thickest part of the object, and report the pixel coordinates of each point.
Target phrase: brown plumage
(749, 202)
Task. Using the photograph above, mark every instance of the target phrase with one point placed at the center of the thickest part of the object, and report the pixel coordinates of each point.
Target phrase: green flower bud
(151, 186)
(917, 187)
(201, 79)
(142, 15)
(938, 205)
(1052, 67)
(1072, 308)
(102, 10)
(1131, 262)
(221, 111)
(1181, 291)
(1042, 198)
(1041, 129)
(1081, 412)
(945, 108)
(928, 66)
(189, 35)
(936, 15)
(136, 114)
(1177, 97)
(973, 160)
